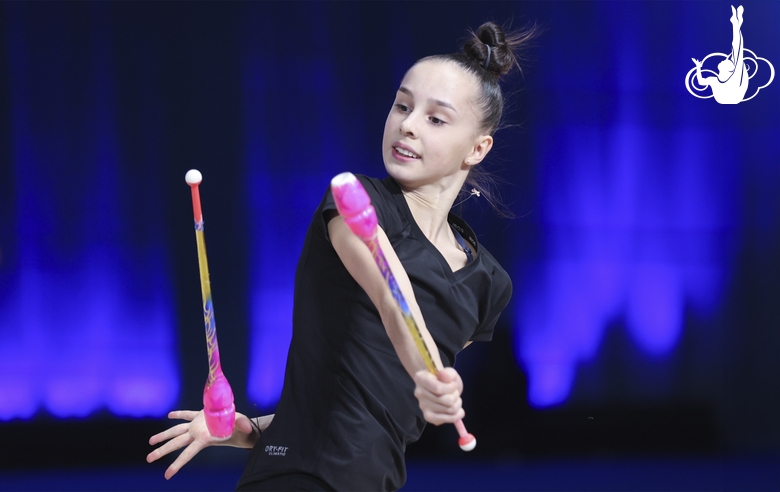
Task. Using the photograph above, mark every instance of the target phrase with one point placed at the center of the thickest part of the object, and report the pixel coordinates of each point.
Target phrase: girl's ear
(481, 148)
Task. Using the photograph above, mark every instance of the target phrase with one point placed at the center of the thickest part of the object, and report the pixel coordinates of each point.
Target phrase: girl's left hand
(439, 397)
(194, 436)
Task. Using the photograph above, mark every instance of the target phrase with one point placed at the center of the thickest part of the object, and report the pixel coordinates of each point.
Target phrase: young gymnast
(356, 390)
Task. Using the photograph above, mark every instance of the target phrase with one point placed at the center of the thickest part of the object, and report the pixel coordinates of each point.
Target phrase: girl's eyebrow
(437, 102)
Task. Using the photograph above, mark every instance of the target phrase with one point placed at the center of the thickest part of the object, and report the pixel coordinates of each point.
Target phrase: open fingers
(184, 457)
(182, 414)
(168, 447)
(174, 431)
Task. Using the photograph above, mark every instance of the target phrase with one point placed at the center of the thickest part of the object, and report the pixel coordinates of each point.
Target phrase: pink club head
(354, 204)
(219, 409)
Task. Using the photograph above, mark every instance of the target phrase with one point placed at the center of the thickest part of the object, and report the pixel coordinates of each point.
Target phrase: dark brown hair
(506, 51)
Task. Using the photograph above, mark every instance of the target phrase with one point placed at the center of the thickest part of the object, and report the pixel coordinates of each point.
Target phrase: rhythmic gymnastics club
(354, 204)
(219, 409)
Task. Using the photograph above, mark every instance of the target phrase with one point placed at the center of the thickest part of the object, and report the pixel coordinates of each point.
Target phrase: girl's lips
(403, 158)
(404, 151)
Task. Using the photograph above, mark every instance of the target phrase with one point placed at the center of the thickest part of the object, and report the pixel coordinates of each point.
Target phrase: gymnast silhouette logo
(730, 84)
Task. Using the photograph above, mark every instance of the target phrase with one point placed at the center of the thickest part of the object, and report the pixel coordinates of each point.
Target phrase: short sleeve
(380, 197)
(500, 293)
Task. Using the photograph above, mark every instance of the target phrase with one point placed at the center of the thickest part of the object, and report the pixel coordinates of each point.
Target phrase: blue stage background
(645, 255)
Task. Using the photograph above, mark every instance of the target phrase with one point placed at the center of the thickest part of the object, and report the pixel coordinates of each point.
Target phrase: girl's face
(432, 128)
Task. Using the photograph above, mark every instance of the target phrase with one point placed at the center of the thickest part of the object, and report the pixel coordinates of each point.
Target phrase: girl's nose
(408, 125)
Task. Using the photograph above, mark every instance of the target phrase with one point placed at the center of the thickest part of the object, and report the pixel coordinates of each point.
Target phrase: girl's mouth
(405, 153)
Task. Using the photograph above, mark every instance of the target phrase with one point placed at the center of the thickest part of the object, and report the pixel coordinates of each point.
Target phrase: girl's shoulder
(388, 201)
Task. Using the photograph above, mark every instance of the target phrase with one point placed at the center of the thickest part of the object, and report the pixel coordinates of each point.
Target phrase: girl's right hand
(439, 396)
(195, 436)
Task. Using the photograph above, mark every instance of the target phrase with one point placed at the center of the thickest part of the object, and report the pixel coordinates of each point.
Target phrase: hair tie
(487, 60)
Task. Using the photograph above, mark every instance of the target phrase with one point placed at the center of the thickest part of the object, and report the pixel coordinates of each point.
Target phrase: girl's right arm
(439, 397)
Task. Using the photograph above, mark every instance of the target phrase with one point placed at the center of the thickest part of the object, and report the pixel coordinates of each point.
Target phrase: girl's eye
(436, 121)
(402, 107)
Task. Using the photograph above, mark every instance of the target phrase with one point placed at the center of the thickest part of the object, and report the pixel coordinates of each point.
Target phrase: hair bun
(505, 49)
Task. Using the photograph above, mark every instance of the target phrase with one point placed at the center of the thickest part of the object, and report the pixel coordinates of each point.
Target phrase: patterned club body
(219, 409)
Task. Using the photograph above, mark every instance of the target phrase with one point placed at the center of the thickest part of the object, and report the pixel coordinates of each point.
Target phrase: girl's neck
(430, 209)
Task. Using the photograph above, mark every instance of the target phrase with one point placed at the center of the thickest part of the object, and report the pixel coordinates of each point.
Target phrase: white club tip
(468, 446)
(193, 177)
(342, 179)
